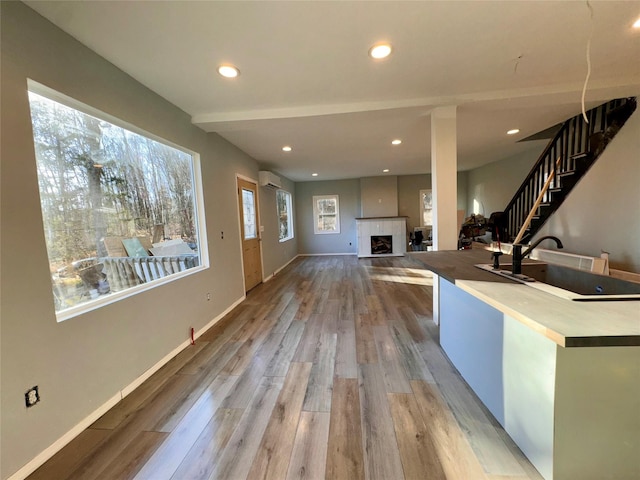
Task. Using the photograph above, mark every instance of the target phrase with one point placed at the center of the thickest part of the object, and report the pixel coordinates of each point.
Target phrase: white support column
(436, 299)
(444, 180)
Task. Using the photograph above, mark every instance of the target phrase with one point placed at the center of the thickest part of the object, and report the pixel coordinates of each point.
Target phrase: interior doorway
(250, 233)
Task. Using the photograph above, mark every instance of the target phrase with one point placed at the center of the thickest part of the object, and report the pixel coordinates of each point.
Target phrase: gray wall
(82, 362)
(463, 187)
(493, 185)
(349, 191)
(602, 212)
(349, 200)
(275, 254)
(379, 196)
(409, 187)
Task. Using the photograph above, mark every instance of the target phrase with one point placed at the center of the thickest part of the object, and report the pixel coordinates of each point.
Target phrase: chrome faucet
(518, 254)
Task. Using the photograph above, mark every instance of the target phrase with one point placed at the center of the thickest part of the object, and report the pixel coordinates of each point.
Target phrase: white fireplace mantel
(396, 227)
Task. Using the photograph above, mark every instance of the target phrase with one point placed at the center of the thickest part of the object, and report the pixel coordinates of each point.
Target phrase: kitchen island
(561, 377)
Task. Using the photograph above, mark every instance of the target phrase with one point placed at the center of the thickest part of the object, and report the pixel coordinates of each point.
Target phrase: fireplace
(381, 244)
(381, 236)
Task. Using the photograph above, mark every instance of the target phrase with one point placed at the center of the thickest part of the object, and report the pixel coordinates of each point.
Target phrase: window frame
(422, 209)
(198, 204)
(316, 214)
(289, 206)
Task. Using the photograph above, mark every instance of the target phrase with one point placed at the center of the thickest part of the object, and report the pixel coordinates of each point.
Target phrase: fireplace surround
(381, 236)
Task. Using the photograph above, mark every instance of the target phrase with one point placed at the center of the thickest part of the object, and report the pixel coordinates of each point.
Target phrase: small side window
(426, 208)
(326, 214)
(285, 215)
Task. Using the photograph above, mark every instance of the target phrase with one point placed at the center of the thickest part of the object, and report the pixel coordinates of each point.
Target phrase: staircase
(572, 151)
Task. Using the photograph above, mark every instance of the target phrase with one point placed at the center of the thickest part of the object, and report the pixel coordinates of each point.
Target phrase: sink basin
(570, 283)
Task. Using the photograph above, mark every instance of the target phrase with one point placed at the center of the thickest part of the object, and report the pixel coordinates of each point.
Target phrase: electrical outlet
(208, 297)
(31, 396)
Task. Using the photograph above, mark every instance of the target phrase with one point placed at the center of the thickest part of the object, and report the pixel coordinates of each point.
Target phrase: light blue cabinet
(574, 412)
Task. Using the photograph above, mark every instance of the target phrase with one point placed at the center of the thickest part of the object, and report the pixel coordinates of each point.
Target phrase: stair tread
(567, 173)
(580, 163)
(581, 155)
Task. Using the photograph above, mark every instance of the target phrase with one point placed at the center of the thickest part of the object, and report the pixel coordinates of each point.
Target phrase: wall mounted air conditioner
(268, 179)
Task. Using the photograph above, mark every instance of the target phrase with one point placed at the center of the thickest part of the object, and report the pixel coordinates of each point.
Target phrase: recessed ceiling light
(228, 71)
(397, 141)
(386, 170)
(381, 50)
(636, 23)
(286, 148)
(314, 174)
(513, 131)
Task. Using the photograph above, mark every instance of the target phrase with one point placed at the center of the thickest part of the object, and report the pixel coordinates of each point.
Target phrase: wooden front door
(250, 232)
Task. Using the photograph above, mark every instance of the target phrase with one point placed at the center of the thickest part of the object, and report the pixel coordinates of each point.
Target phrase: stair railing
(574, 138)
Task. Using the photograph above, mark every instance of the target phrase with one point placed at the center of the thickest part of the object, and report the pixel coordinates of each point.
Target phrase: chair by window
(416, 244)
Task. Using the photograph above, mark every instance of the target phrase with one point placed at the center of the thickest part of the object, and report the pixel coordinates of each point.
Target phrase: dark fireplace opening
(381, 244)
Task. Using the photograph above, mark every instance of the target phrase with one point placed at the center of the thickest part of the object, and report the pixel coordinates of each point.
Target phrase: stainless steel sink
(570, 283)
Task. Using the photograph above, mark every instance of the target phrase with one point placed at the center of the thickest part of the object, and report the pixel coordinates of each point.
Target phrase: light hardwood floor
(330, 370)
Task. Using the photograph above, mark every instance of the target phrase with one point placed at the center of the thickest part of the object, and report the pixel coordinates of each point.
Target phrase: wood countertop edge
(458, 268)
(567, 341)
(529, 322)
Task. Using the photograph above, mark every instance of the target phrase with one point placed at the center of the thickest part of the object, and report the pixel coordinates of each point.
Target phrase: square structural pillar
(444, 180)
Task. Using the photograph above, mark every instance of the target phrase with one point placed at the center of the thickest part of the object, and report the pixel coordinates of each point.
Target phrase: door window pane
(249, 214)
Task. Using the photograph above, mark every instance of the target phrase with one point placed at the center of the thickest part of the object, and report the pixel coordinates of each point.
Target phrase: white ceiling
(307, 81)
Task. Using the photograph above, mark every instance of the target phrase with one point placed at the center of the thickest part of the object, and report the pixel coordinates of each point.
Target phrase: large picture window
(285, 215)
(326, 214)
(119, 209)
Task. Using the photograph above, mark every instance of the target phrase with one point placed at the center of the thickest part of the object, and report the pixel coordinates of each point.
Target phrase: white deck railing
(126, 272)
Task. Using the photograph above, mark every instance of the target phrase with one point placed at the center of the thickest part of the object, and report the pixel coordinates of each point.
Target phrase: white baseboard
(56, 446)
(142, 378)
(284, 266)
(265, 280)
(325, 254)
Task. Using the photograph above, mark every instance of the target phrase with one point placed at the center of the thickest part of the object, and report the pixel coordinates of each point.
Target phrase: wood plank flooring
(330, 370)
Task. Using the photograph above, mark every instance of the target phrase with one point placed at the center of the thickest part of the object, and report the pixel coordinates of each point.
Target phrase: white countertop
(566, 322)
